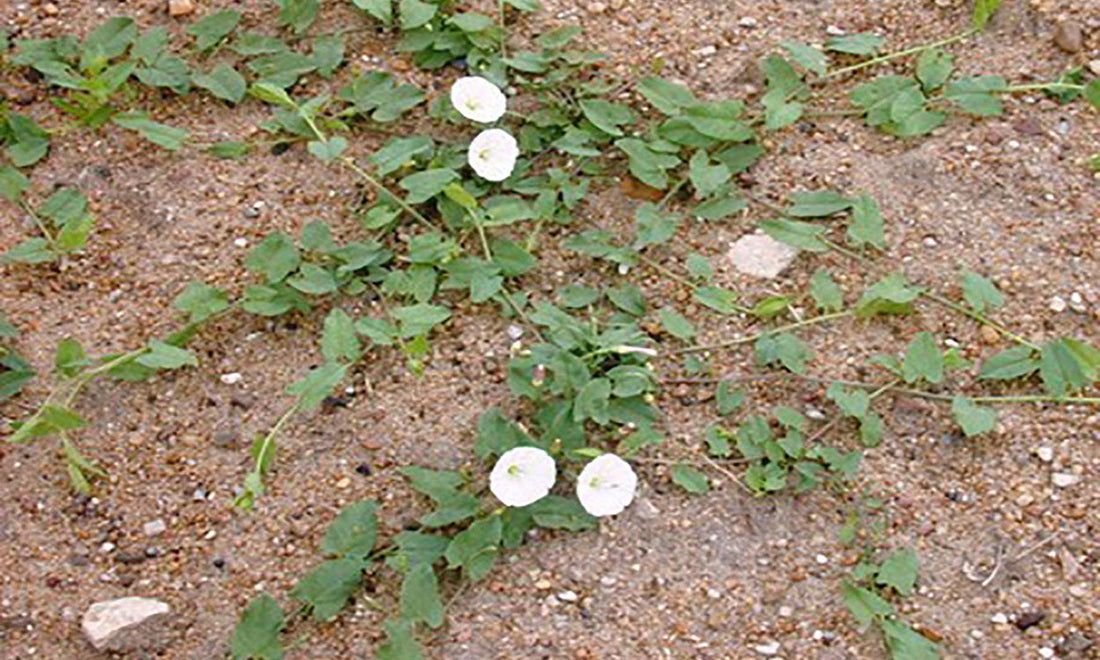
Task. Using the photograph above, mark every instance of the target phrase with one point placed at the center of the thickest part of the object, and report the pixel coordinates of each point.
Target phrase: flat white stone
(105, 622)
(760, 255)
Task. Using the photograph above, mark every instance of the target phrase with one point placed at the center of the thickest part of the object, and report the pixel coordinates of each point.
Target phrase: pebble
(1046, 454)
(1069, 36)
(999, 617)
(1057, 304)
(608, 581)
(713, 594)
(50, 9)
(1077, 303)
(785, 611)
(180, 7)
(989, 335)
(833, 31)
(514, 332)
(107, 547)
(154, 527)
(747, 22)
(231, 379)
(771, 648)
(1064, 479)
(543, 585)
(706, 51)
(930, 242)
(568, 597)
(125, 624)
(1046, 652)
(815, 414)
(821, 559)
(241, 242)
(1094, 66)
(596, 8)
(343, 483)
(760, 255)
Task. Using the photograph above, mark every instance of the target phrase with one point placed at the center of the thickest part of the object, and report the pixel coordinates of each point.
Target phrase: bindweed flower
(478, 99)
(522, 476)
(640, 350)
(493, 154)
(606, 485)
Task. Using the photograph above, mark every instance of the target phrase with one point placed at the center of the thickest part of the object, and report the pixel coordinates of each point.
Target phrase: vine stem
(950, 304)
(38, 221)
(837, 419)
(382, 190)
(823, 318)
(489, 257)
(901, 53)
(1041, 86)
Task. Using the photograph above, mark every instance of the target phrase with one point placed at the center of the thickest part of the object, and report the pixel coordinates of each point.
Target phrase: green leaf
(720, 120)
(31, 251)
(866, 225)
(648, 166)
(983, 11)
(825, 291)
(215, 27)
(806, 56)
(380, 9)
(201, 301)
(592, 401)
(166, 71)
(398, 152)
(422, 186)
(298, 15)
(975, 95)
(923, 360)
(415, 13)
(317, 384)
(224, 82)
(675, 324)
(163, 135)
(852, 402)
(1066, 365)
(338, 341)
(721, 206)
(891, 295)
(865, 605)
(416, 320)
(230, 149)
(606, 116)
(973, 419)
(770, 306)
(165, 356)
(70, 358)
(1009, 364)
(690, 479)
(667, 97)
(327, 588)
(31, 141)
(818, 204)
(107, 41)
(439, 485)
(12, 183)
(904, 642)
(728, 399)
(718, 441)
(781, 115)
(402, 645)
(784, 348)
(352, 534)
(556, 512)
(149, 46)
(417, 548)
(1092, 93)
(934, 67)
(275, 257)
(420, 596)
(980, 293)
(314, 280)
(899, 571)
(802, 235)
(476, 548)
(706, 178)
(257, 632)
(328, 150)
(328, 53)
(863, 43)
(715, 297)
(870, 430)
(653, 226)
(270, 94)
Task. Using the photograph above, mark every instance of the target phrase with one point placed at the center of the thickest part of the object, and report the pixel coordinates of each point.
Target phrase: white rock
(706, 51)
(1094, 66)
(568, 596)
(1057, 304)
(1046, 652)
(821, 559)
(107, 547)
(760, 255)
(180, 7)
(833, 31)
(1064, 479)
(123, 623)
(155, 527)
(999, 617)
(1046, 454)
(241, 242)
(785, 611)
(771, 648)
(231, 379)
(747, 21)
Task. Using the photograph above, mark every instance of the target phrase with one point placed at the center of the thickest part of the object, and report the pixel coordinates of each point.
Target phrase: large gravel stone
(126, 624)
(761, 256)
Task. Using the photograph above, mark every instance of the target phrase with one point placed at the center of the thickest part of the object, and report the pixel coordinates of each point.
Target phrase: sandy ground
(675, 576)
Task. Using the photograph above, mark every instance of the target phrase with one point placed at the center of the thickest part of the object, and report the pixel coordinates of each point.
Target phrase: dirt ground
(675, 576)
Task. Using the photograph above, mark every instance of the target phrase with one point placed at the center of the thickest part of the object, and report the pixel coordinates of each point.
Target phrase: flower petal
(606, 485)
(493, 154)
(522, 476)
(477, 99)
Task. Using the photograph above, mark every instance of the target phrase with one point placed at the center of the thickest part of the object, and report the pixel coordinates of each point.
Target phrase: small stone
(241, 242)
(930, 242)
(989, 335)
(1046, 454)
(514, 332)
(1069, 36)
(1064, 479)
(1057, 304)
(153, 528)
(231, 379)
(771, 648)
(126, 624)
(714, 594)
(107, 547)
(1077, 303)
(747, 22)
(50, 9)
(706, 51)
(1024, 500)
(815, 414)
(1029, 619)
(785, 611)
(607, 581)
(180, 7)
(1079, 590)
(821, 559)
(543, 585)
(568, 597)
(596, 8)
(999, 617)
(1046, 652)
(833, 31)
(1094, 66)
(343, 483)
(760, 255)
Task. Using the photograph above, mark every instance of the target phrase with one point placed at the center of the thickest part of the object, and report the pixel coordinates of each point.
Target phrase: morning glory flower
(522, 476)
(493, 154)
(606, 485)
(478, 99)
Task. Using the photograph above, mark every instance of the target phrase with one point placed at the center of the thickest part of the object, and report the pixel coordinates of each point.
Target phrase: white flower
(493, 154)
(641, 350)
(478, 99)
(522, 476)
(606, 485)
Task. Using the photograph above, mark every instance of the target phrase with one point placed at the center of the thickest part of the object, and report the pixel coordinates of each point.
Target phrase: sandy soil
(675, 576)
